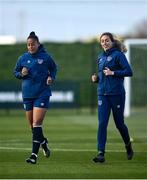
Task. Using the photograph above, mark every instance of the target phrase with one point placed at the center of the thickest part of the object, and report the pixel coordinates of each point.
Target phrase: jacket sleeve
(52, 68)
(97, 61)
(125, 69)
(17, 69)
(97, 80)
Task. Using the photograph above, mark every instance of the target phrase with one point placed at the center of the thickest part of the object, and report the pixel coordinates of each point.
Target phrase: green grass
(72, 139)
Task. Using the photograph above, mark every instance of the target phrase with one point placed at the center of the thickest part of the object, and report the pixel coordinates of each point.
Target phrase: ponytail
(118, 44)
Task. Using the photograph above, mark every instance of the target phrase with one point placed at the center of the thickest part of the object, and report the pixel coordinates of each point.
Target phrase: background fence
(76, 62)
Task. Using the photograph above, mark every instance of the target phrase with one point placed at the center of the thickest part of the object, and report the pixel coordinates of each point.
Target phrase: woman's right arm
(94, 78)
(20, 72)
(17, 70)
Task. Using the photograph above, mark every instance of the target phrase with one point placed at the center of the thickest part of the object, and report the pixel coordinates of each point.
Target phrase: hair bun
(33, 36)
(32, 33)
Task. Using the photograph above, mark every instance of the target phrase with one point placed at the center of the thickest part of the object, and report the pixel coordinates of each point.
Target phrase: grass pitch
(72, 139)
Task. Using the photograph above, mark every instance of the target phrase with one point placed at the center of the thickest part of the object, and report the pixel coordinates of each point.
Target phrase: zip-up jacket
(40, 65)
(116, 61)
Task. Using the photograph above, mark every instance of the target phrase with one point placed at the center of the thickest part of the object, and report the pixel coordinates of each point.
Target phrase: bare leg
(38, 137)
(38, 116)
(29, 116)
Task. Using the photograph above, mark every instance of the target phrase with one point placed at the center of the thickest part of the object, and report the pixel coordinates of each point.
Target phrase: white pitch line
(55, 149)
(15, 148)
(65, 150)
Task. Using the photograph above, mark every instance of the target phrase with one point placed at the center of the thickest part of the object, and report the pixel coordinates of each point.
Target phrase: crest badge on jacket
(40, 61)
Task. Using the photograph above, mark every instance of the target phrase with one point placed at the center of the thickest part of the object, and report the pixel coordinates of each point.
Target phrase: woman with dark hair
(112, 68)
(37, 70)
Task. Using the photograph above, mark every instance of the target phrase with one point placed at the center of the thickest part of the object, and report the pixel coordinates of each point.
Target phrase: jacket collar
(109, 51)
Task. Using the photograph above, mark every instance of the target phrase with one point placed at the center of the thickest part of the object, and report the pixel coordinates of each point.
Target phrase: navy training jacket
(40, 65)
(116, 61)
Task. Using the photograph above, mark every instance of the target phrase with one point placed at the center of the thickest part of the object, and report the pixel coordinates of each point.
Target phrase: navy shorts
(41, 102)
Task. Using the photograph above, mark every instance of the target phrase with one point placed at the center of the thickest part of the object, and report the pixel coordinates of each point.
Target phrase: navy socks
(38, 138)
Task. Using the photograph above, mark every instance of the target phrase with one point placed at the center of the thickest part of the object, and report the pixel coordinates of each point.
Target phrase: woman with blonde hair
(112, 68)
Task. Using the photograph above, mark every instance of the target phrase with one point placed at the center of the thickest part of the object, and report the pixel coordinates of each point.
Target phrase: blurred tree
(140, 29)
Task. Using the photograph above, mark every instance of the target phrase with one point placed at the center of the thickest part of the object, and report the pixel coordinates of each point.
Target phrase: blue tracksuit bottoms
(106, 103)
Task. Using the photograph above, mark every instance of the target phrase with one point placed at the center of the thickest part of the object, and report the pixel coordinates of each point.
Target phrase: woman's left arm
(52, 70)
(125, 70)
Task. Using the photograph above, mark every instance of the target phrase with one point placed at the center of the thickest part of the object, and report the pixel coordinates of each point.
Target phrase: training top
(116, 61)
(40, 65)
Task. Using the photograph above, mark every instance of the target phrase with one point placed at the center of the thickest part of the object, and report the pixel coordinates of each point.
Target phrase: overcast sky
(67, 20)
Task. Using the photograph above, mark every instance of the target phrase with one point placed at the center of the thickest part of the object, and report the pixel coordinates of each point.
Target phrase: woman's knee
(121, 126)
(102, 125)
(38, 116)
(37, 122)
